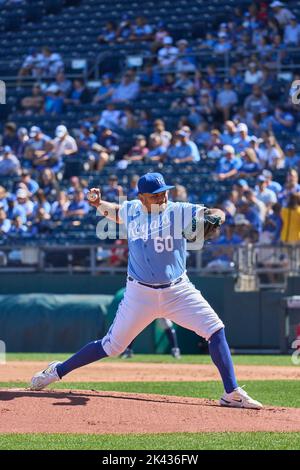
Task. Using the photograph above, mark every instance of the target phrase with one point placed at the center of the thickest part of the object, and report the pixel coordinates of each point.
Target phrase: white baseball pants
(181, 303)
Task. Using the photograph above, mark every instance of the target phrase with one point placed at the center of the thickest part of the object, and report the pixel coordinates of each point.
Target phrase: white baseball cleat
(45, 377)
(240, 399)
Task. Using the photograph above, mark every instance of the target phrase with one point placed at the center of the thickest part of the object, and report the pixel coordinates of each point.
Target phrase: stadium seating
(57, 24)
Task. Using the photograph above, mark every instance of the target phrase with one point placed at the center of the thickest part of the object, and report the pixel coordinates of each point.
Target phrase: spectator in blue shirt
(235, 77)
(226, 99)
(141, 30)
(86, 138)
(30, 183)
(262, 121)
(108, 33)
(229, 133)
(4, 223)
(124, 29)
(109, 140)
(14, 209)
(113, 191)
(18, 228)
(38, 146)
(78, 207)
(202, 136)
(251, 214)
(256, 101)
(256, 204)
(54, 102)
(41, 201)
(211, 82)
(263, 193)
(223, 45)
(229, 237)
(292, 159)
(172, 148)
(274, 185)
(291, 186)
(283, 121)
(60, 207)
(80, 93)
(150, 78)
(185, 62)
(250, 165)
(24, 201)
(292, 32)
(157, 150)
(128, 89)
(184, 152)
(229, 165)
(105, 91)
(9, 163)
(208, 43)
(241, 142)
(273, 224)
(191, 143)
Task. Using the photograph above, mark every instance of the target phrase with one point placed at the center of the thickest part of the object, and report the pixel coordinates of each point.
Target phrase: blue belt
(160, 286)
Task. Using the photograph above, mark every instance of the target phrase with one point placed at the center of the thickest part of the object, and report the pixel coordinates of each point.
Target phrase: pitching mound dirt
(23, 411)
(136, 372)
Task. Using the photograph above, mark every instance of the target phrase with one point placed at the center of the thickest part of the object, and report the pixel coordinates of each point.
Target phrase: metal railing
(266, 264)
(27, 81)
(92, 70)
(228, 59)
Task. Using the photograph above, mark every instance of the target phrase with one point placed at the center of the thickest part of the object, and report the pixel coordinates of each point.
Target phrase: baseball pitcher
(157, 284)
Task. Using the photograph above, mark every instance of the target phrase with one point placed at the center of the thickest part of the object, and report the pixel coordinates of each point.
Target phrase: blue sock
(220, 354)
(91, 352)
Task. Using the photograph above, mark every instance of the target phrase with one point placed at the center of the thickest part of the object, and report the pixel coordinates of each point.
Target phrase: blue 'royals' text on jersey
(157, 250)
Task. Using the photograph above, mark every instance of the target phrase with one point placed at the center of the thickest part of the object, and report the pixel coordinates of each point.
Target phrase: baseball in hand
(92, 197)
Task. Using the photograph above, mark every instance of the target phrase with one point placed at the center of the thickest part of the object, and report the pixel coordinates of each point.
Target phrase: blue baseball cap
(152, 183)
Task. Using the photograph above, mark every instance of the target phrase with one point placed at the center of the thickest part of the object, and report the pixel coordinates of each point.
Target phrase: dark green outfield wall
(60, 283)
(252, 319)
(86, 284)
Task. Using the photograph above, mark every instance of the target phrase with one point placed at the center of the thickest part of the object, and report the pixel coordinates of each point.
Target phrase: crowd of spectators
(259, 25)
(257, 35)
(255, 203)
(239, 123)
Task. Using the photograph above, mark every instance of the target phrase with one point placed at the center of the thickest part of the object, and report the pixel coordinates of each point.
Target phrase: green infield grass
(178, 441)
